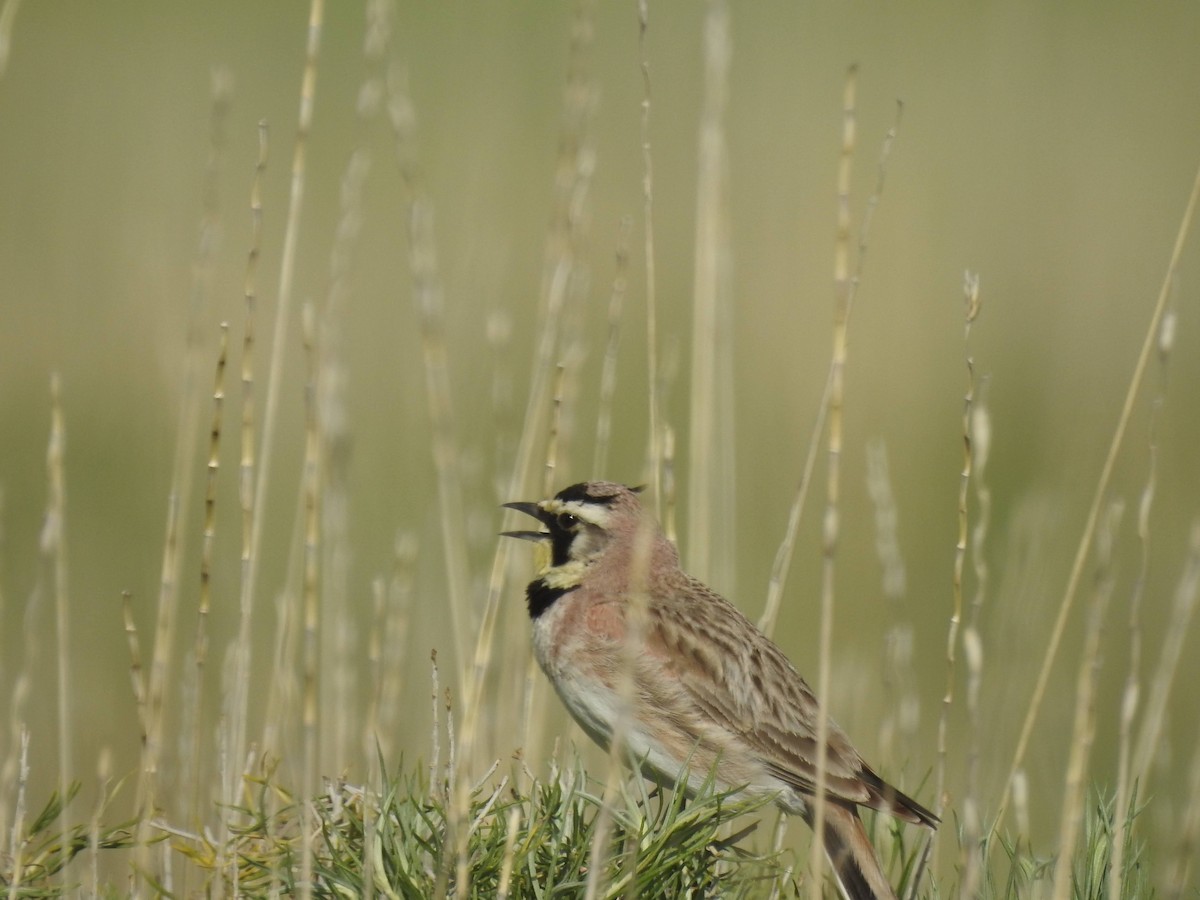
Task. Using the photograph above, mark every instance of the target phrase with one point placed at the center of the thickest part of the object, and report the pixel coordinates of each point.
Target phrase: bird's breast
(578, 632)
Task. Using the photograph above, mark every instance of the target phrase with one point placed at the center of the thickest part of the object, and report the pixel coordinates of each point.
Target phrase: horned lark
(710, 689)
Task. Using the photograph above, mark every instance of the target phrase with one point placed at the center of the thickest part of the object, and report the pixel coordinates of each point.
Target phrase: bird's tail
(851, 856)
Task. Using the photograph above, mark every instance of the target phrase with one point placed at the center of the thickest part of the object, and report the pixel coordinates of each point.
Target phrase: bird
(711, 692)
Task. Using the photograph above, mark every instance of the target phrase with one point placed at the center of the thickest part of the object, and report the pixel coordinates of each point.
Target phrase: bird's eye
(567, 522)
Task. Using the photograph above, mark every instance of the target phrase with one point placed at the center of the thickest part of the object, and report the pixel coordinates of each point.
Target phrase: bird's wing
(745, 685)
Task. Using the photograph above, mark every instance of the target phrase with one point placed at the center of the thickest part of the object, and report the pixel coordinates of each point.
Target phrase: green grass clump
(44, 851)
(535, 842)
(529, 838)
(1023, 871)
(1094, 860)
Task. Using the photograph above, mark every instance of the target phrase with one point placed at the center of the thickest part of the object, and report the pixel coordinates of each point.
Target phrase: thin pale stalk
(787, 546)
(8, 15)
(1189, 833)
(887, 522)
(337, 690)
(1182, 609)
(371, 90)
(572, 183)
(17, 840)
(507, 861)
(830, 529)
(1084, 729)
(532, 695)
(136, 675)
(274, 386)
(972, 862)
(235, 725)
(1130, 696)
(561, 289)
(970, 859)
(396, 642)
(313, 498)
(553, 440)
(670, 496)
(428, 298)
(971, 296)
(233, 728)
(103, 774)
(608, 371)
(54, 549)
(709, 500)
(900, 694)
(204, 605)
(179, 497)
(655, 449)
(783, 556)
(369, 740)
(5, 775)
(437, 782)
(1089, 529)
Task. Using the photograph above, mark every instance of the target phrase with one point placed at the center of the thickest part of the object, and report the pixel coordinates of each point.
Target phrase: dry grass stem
(236, 724)
(283, 311)
(887, 522)
(897, 675)
(553, 440)
(709, 490)
(783, 556)
(1084, 729)
(572, 182)
(1131, 694)
(337, 643)
(193, 759)
(54, 551)
(533, 719)
(8, 16)
(17, 841)
(3, 612)
(312, 493)
(16, 723)
(608, 371)
(972, 856)
(397, 641)
(95, 827)
(1182, 867)
(872, 206)
(654, 444)
(830, 526)
(1135, 382)
(136, 675)
(179, 499)
(510, 847)
(669, 493)
(429, 301)
(1154, 717)
(971, 296)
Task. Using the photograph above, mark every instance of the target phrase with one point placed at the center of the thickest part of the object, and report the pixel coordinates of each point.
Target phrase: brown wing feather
(743, 681)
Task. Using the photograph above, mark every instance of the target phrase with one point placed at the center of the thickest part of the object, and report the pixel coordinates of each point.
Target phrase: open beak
(530, 509)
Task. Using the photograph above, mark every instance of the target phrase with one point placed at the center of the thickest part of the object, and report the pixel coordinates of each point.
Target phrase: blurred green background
(1048, 147)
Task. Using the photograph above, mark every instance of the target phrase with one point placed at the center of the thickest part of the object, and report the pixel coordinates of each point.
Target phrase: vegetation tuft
(533, 841)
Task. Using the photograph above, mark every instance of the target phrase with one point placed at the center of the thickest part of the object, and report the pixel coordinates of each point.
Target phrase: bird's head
(581, 521)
